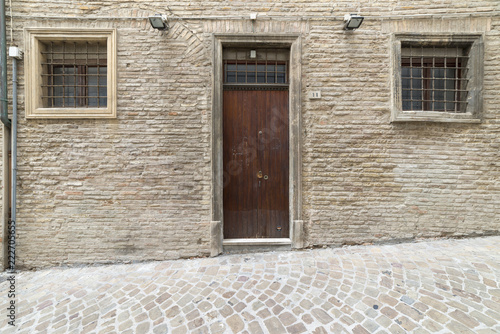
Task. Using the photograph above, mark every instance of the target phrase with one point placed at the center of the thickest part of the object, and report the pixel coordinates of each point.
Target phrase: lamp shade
(159, 22)
(352, 21)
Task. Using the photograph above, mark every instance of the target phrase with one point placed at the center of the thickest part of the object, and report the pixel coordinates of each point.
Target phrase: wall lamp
(352, 21)
(159, 22)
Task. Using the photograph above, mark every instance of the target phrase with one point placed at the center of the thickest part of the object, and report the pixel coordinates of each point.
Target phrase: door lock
(265, 177)
(259, 174)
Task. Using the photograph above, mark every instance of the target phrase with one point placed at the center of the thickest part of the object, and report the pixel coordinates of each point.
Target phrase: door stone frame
(294, 44)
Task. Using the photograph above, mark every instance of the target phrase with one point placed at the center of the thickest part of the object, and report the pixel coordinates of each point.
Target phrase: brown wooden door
(256, 163)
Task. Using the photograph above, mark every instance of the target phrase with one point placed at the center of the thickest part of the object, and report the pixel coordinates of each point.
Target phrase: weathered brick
(139, 187)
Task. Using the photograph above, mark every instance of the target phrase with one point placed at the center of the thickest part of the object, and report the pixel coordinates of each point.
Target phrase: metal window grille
(255, 72)
(269, 67)
(434, 78)
(74, 74)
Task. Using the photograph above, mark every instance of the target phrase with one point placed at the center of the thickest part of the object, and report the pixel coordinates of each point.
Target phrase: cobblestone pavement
(442, 286)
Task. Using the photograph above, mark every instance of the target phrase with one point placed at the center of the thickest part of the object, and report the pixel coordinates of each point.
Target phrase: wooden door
(256, 163)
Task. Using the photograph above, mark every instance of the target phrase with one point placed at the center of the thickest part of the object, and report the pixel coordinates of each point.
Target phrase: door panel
(240, 164)
(273, 195)
(255, 139)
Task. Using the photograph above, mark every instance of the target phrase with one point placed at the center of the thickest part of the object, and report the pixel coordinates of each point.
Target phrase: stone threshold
(258, 242)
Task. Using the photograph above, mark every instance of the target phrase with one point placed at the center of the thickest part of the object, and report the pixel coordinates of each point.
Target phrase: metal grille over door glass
(267, 68)
(255, 72)
(74, 74)
(434, 78)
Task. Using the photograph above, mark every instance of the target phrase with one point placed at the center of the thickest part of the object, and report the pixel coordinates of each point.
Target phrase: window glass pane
(281, 78)
(411, 88)
(417, 73)
(437, 106)
(230, 76)
(57, 89)
(450, 73)
(416, 83)
(412, 105)
(271, 78)
(416, 62)
(437, 84)
(450, 84)
(97, 90)
(416, 94)
(438, 72)
(64, 80)
(261, 77)
(417, 105)
(406, 105)
(103, 76)
(405, 72)
(103, 102)
(406, 88)
(57, 101)
(451, 105)
(69, 75)
(70, 101)
(251, 77)
(241, 78)
(255, 72)
(450, 79)
(93, 80)
(444, 89)
(406, 92)
(102, 89)
(438, 95)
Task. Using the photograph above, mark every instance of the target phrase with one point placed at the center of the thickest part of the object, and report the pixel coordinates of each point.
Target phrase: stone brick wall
(138, 187)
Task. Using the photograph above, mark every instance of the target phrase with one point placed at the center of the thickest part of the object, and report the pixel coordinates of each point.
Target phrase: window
(437, 78)
(255, 72)
(431, 78)
(71, 74)
(74, 75)
(267, 67)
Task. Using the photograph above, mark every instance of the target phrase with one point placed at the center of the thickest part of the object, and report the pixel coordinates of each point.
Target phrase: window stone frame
(473, 111)
(34, 37)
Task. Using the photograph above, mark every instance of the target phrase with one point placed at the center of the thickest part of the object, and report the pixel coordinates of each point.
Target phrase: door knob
(265, 177)
(259, 174)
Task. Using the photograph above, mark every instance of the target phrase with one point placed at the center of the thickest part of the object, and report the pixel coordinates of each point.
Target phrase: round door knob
(265, 177)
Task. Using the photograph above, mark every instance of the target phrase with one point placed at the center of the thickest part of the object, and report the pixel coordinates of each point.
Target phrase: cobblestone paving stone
(440, 286)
